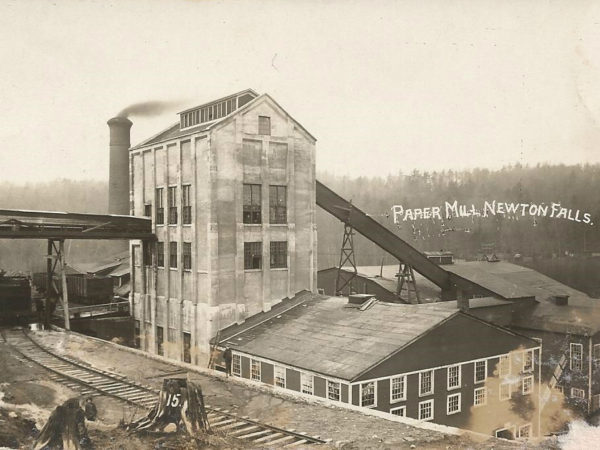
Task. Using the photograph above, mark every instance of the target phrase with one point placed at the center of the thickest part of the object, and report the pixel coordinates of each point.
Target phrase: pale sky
(383, 85)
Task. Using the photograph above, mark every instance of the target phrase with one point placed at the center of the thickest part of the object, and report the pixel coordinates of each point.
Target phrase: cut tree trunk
(180, 403)
(65, 428)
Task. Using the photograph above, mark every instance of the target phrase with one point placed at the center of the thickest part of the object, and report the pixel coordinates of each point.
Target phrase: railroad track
(91, 381)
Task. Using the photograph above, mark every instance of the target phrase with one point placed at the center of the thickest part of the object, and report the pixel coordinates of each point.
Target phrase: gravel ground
(346, 428)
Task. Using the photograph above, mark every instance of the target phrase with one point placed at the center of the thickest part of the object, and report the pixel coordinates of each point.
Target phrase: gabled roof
(174, 131)
(321, 335)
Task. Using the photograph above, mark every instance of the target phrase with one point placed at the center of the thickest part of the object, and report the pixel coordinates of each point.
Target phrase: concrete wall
(218, 291)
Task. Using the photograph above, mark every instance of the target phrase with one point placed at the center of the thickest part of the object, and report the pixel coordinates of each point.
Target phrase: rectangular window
(504, 365)
(137, 334)
(251, 204)
(264, 125)
(147, 210)
(453, 377)
(426, 382)
(527, 360)
(173, 255)
(333, 390)
(186, 203)
(160, 254)
(236, 365)
(279, 374)
(400, 411)
(277, 204)
(187, 347)
(172, 205)
(252, 255)
(306, 382)
(147, 248)
(480, 396)
(278, 255)
(576, 357)
(398, 389)
(367, 394)
(528, 385)
(160, 207)
(505, 391)
(255, 370)
(577, 393)
(187, 256)
(596, 353)
(480, 371)
(453, 404)
(426, 410)
(159, 341)
(524, 431)
(595, 402)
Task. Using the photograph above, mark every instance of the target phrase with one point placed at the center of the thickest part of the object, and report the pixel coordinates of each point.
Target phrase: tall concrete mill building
(231, 191)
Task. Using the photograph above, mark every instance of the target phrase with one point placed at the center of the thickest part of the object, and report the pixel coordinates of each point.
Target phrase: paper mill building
(230, 188)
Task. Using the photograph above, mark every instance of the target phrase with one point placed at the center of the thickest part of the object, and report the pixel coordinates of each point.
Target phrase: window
(453, 377)
(255, 370)
(400, 411)
(160, 210)
(279, 376)
(480, 396)
(186, 203)
(528, 385)
(251, 208)
(264, 125)
(426, 410)
(187, 347)
(505, 391)
(278, 255)
(277, 204)
(252, 255)
(236, 365)
(524, 431)
(147, 257)
(159, 341)
(506, 433)
(504, 365)
(333, 390)
(173, 255)
(453, 404)
(367, 394)
(160, 254)
(576, 357)
(172, 205)
(426, 382)
(306, 382)
(398, 389)
(527, 360)
(187, 256)
(137, 334)
(595, 402)
(480, 371)
(147, 210)
(596, 353)
(577, 393)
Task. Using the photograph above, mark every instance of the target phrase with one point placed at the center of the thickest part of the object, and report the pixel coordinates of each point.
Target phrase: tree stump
(181, 403)
(65, 429)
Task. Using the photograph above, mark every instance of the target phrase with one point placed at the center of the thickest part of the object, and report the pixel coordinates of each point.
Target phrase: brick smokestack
(118, 178)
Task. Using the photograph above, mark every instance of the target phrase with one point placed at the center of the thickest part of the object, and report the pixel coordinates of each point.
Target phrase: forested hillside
(543, 238)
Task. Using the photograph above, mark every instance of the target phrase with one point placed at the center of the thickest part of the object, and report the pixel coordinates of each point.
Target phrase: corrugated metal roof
(492, 276)
(322, 335)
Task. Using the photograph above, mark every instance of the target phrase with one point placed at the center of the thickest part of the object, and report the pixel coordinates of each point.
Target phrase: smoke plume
(151, 108)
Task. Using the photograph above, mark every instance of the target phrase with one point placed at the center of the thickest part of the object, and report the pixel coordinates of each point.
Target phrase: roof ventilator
(361, 302)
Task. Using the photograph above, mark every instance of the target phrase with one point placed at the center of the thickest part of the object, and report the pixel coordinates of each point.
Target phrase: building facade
(231, 191)
(419, 363)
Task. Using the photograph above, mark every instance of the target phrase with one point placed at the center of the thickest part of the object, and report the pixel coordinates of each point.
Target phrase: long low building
(415, 361)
